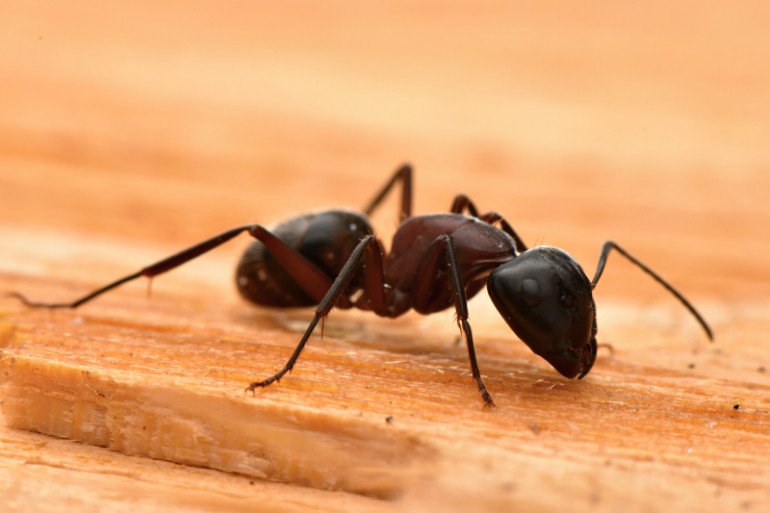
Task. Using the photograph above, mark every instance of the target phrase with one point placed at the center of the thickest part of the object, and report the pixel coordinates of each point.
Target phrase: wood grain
(130, 132)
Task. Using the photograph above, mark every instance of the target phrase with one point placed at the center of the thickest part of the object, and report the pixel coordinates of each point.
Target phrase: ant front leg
(311, 278)
(462, 202)
(367, 249)
(440, 253)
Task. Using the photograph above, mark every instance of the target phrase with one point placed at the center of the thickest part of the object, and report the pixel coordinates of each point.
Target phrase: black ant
(436, 261)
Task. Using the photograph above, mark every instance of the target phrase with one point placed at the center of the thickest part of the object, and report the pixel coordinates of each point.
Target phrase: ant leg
(494, 217)
(403, 174)
(462, 202)
(367, 246)
(609, 245)
(313, 280)
(442, 252)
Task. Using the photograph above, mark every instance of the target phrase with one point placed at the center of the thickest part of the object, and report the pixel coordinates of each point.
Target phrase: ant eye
(530, 291)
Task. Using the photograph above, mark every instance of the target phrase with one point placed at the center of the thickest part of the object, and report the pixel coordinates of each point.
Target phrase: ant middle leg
(404, 175)
(368, 252)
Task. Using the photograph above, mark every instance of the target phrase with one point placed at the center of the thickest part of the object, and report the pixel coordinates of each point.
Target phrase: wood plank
(128, 133)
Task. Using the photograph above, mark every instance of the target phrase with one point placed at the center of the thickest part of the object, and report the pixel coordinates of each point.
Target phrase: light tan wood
(129, 132)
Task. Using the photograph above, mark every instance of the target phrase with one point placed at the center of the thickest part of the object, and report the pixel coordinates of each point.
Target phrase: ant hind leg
(310, 276)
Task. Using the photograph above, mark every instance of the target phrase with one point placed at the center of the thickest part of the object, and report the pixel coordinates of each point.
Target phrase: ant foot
(36, 304)
(488, 402)
(261, 384)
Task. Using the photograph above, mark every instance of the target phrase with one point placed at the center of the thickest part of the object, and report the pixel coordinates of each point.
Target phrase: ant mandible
(436, 261)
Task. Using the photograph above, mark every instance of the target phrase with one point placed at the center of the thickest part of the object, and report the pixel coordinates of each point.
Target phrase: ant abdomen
(325, 238)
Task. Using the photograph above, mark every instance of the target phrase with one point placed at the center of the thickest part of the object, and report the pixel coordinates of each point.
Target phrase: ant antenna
(609, 245)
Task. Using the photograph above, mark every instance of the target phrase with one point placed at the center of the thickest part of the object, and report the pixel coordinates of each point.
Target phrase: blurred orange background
(644, 123)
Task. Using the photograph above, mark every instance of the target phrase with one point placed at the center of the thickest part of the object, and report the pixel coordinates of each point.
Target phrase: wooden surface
(128, 132)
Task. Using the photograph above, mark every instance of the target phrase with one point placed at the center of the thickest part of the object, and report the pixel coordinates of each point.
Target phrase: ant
(436, 261)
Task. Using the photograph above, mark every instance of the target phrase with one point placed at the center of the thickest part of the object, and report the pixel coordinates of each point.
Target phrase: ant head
(546, 298)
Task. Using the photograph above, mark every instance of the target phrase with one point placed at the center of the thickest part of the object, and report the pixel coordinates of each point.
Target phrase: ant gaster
(436, 261)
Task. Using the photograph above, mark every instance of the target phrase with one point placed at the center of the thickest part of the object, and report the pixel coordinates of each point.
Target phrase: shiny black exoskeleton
(326, 239)
(435, 262)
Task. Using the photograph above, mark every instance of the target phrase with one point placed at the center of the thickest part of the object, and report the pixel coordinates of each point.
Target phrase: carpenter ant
(436, 261)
